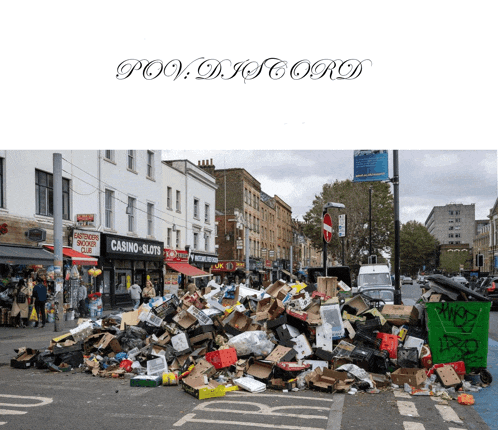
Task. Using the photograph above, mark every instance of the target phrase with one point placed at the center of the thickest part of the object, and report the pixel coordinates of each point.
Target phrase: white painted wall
(175, 179)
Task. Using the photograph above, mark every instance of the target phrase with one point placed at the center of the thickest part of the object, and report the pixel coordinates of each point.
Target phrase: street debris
(286, 337)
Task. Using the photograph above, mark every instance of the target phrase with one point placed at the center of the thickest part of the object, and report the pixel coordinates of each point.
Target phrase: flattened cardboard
(25, 358)
(448, 376)
(281, 353)
(314, 317)
(201, 338)
(129, 318)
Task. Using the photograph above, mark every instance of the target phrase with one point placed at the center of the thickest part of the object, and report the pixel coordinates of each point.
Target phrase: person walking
(82, 295)
(40, 295)
(135, 292)
(148, 292)
(20, 305)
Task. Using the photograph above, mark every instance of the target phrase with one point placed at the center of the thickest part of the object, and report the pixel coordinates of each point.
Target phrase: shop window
(123, 277)
(178, 201)
(196, 240)
(131, 160)
(206, 213)
(150, 164)
(150, 219)
(168, 197)
(196, 208)
(109, 209)
(44, 183)
(131, 214)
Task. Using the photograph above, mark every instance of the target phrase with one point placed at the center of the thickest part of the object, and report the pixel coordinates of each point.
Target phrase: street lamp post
(325, 208)
(370, 220)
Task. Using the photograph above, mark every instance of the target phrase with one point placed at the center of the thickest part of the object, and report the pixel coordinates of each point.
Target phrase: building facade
(452, 224)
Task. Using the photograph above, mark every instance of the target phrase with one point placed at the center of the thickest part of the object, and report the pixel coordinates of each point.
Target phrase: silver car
(379, 295)
(407, 280)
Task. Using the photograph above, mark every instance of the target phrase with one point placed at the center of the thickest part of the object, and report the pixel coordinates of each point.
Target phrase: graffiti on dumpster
(458, 316)
(457, 347)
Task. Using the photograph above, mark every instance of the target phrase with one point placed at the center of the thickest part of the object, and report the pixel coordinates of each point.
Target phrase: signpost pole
(57, 202)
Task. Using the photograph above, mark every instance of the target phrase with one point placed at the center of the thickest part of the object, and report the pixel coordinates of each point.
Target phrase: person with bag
(135, 292)
(148, 292)
(40, 295)
(20, 305)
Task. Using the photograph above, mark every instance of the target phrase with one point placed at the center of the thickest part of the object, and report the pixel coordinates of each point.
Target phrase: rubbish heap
(286, 337)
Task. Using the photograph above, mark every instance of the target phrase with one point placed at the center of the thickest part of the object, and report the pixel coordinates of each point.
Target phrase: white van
(373, 275)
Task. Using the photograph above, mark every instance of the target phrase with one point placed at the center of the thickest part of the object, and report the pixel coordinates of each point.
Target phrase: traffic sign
(342, 225)
(327, 228)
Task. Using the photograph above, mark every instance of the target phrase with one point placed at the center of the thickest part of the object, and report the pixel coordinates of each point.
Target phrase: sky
(231, 76)
(426, 178)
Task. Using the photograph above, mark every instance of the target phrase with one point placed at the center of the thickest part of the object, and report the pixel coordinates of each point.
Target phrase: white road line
(448, 414)
(407, 408)
(189, 419)
(402, 394)
(413, 426)
(42, 400)
(263, 409)
(335, 416)
(290, 397)
(455, 428)
(2, 423)
(11, 412)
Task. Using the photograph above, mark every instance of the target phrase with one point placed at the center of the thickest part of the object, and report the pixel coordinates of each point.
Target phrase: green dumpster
(458, 331)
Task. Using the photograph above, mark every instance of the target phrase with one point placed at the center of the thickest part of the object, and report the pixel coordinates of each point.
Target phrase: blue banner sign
(371, 166)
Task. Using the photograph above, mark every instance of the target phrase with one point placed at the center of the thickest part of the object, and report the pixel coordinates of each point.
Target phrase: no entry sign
(327, 228)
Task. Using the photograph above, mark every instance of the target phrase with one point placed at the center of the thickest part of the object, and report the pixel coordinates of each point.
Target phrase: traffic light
(479, 260)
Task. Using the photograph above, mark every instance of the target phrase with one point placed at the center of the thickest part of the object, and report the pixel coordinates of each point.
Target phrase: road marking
(11, 412)
(2, 423)
(448, 414)
(402, 394)
(413, 426)
(189, 419)
(407, 408)
(335, 416)
(246, 394)
(43, 401)
(263, 409)
(455, 428)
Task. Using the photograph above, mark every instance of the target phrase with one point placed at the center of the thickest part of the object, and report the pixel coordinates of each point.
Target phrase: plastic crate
(389, 343)
(222, 358)
(408, 357)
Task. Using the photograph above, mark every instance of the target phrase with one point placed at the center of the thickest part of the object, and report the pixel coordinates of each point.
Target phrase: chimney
(198, 162)
(211, 163)
(203, 163)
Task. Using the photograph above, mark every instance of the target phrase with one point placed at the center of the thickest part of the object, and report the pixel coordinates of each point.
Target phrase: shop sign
(87, 242)
(272, 253)
(175, 256)
(137, 249)
(267, 264)
(3, 228)
(227, 266)
(85, 220)
(36, 234)
(199, 258)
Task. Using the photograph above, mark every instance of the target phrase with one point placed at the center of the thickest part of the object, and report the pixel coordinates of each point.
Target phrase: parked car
(489, 288)
(406, 280)
(379, 296)
(461, 280)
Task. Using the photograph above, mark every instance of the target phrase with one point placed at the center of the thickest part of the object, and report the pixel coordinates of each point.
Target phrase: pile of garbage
(286, 337)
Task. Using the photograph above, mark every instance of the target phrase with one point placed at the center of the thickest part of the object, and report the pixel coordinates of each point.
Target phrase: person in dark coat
(40, 295)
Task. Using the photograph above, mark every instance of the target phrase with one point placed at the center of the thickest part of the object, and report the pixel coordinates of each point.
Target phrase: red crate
(222, 357)
(459, 367)
(389, 343)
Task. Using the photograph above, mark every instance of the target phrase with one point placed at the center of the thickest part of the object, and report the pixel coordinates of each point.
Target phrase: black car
(489, 288)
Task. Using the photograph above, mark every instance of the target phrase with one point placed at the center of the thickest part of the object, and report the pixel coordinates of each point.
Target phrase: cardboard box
(111, 341)
(324, 379)
(129, 318)
(413, 377)
(260, 370)
(26, 357)
(237, 323)
(278, 287)
(184, 319)
(281, 353)
(357, 304)
(276, 309)
(399, 314)
(280, 384)
(448, 376)
(200, 388)
(146, 381)
(273, 323)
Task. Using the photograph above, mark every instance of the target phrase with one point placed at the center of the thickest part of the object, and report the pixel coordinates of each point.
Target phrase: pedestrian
(40, 295)
(148, 292)
(82, 295)
(20, 305)
(135, 292)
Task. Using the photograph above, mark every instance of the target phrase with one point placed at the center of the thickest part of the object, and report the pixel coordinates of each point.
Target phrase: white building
(198, 197)
(112, 195)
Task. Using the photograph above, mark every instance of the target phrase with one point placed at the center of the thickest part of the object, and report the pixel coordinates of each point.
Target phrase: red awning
(187, 269)
(77, 258)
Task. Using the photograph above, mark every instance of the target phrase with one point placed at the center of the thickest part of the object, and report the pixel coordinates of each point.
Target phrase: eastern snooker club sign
(119, 246)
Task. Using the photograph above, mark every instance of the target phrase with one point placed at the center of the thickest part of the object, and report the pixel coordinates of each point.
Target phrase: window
(178, 241)
(196, 240)
(457, 234)
(450, 228)
(457, 227)
(131, 214)
(131, 160)
(457, 212)
(109, 154)
(450, 235)
(150, 219)
(451, 242)
(178, 204)
(109, 205)
(150, 164)
(206, 213)
(457, 219)
(44, 194)
(168, 238)
(206, 242)
(168, 198)
(450, 212)
(196, 208)
(1, 183)
(450, 220)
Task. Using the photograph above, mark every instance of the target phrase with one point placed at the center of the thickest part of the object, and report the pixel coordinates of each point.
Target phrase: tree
(355, 196)
(450, 260)
(417, 247)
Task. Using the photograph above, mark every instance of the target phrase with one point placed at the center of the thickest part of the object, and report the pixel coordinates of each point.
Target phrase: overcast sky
(427, 82)
(427, 178)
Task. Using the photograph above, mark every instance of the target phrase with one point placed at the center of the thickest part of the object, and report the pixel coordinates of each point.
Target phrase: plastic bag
(34, 315)
(251, 342)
